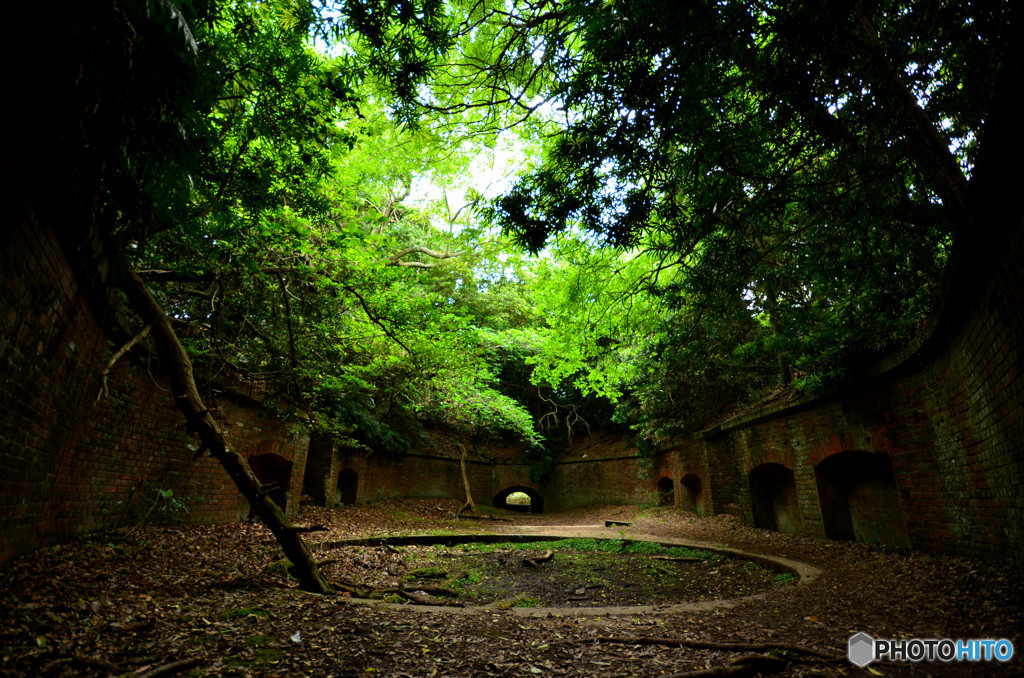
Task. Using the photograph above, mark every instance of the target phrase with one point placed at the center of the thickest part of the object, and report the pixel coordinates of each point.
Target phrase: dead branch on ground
(170, 668)
(741, 667)
(535, 562)
(717, 645)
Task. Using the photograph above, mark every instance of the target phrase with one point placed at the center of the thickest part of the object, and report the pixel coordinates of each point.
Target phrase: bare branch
(117, 356)
(375, 320)
(396, 258)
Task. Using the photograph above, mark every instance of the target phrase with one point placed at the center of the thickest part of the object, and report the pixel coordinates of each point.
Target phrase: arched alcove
(690, 493)
(859, 499)
(773, 498)
(347, 490)
(666, 491)
(536, 504)
(273, 469)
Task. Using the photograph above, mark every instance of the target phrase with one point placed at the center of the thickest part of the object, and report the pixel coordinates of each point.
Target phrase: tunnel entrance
(273, 469)
(859, 499)
(348, 487)
(690, 493)
(666, 492)
(536, 504)
(773, 499)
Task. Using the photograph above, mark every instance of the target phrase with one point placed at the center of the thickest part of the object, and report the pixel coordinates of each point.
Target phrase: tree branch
(396, 258)
(117, 356)
(374, 320)
(945, 165)
(199, 420)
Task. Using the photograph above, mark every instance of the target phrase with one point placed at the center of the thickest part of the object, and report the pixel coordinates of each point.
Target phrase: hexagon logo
(861, 650)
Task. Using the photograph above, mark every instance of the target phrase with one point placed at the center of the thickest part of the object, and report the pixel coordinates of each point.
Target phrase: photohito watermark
(863, 649)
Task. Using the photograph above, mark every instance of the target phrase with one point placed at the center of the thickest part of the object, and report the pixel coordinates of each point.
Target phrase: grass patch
(427, 573)
(259, 640)
(519, 600)
(441, 533)
(471, 577)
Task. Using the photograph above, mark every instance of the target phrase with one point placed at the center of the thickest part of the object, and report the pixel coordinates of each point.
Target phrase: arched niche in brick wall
(273, 469)
(859, 498)
(536, 504)
(773, 498)
(690, 493)
(666, 491)
(347, 490)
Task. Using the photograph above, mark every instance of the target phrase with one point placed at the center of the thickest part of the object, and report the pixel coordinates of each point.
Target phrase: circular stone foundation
(533, 574)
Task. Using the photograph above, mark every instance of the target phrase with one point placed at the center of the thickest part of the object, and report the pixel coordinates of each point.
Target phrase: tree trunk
(771, 305)
(465, 482)
(199, 420)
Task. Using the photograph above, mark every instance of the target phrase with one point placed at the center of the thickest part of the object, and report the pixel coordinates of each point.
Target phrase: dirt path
(135, 600)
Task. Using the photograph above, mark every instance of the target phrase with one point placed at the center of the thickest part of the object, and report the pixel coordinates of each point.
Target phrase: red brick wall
(70, 464)
(950, 418)
(607, 474)
(431, 470)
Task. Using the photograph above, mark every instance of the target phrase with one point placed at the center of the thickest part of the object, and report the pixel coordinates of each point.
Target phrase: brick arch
(773, 498)
(859, 498)
(266, 446)
(843, 442)
(769, 455)
(536, 500)
(273, 469)
(691, 493)
(666, 491)
(347, 490)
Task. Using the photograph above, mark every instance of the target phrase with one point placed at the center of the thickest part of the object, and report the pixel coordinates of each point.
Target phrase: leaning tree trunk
(200, 421)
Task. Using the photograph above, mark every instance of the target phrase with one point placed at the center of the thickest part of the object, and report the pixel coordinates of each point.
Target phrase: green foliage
(780, 187)
(737, 199)
(471, 577)
(280, 240)
(541, 461)
(166, 506)
(525, 601)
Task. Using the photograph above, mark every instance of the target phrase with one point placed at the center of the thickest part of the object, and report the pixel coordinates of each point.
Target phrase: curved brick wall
(70, 464)
(949, 421)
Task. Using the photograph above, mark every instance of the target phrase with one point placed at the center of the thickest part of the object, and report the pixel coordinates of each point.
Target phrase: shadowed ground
(135, 600)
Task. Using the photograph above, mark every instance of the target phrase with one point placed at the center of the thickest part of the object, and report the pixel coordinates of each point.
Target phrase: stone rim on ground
(804, 572)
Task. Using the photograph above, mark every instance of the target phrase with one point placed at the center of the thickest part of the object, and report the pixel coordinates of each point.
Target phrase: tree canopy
(796, 176)
(725, 200)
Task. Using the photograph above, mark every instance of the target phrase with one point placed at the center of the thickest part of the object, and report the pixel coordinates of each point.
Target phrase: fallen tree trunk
(200, 421)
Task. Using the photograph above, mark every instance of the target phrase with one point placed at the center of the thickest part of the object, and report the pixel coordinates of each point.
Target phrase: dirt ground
(574, 573)
(207, 601)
